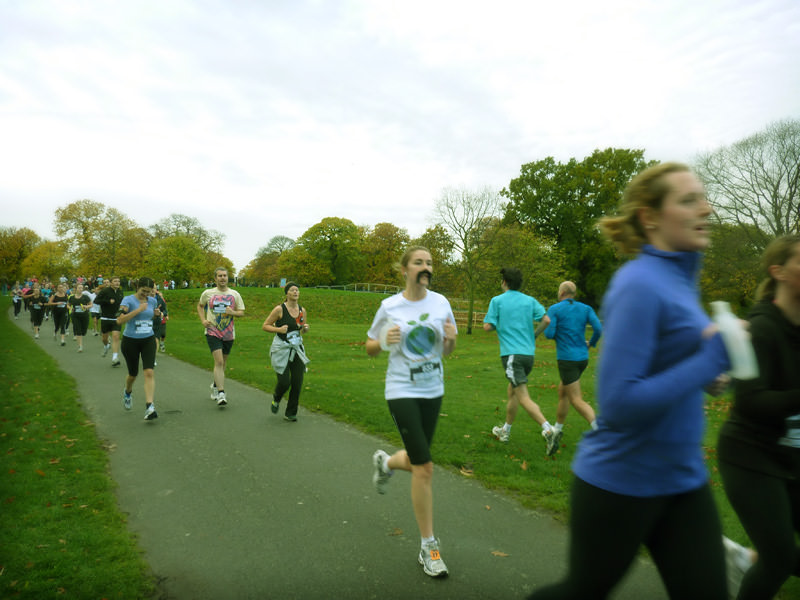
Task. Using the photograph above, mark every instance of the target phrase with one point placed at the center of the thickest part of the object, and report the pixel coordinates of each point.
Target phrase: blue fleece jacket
(651, 373)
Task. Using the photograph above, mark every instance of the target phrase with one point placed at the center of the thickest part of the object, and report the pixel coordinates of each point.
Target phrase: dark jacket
(109, 309)
(758, 419)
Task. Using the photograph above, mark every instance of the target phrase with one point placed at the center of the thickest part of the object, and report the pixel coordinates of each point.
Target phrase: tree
(208, 240)
(756, 182)
(15, 246)
(381, 248)
(178, 258)
(541, 264)
(50, 260)
(563, 202)
(263, 269)
(468, 217)
(335, 244)
(731, 266)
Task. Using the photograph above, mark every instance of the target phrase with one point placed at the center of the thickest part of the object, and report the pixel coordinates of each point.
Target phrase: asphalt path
(236, 503)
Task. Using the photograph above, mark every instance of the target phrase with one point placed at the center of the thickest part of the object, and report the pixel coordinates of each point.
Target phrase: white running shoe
(553, 442)
(431, 560)
(500, 433)
(221, 399)
(737, 562)
(150, 412)
(381, 476)
(214, 392)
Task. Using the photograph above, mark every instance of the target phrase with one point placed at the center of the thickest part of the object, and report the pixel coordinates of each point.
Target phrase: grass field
(346, 384)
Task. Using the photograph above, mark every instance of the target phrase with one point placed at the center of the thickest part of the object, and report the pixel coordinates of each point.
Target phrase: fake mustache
(421, 273)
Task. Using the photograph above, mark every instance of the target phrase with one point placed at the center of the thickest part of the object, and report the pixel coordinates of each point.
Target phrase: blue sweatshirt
(568, 320)
(512, 313)
(651, 373)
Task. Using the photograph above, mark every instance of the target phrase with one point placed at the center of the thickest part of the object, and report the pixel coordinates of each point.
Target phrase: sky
(261, 118)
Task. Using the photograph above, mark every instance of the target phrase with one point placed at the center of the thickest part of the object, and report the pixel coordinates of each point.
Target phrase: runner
(217, 308)
(288, 321)
(36, 303)
(109, 299)
(94, 311)
(16, 298)
(59, 305)
(137, 312)
(418, 328)
(81, 303)
(160, 321)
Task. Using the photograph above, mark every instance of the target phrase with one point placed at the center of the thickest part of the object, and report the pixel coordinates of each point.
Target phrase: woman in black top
(288, 322)
(759, 444)
(36, 303)
(58, 304)
(80, 302)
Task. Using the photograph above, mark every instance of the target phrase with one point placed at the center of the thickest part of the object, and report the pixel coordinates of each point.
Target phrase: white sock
(594, 425)
(506, 427)
(546, 426)
(114, 356)
(558, 426)
(428, 540)
(386, 465)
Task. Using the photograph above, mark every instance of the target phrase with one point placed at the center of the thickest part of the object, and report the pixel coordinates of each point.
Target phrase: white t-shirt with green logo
(415, 367)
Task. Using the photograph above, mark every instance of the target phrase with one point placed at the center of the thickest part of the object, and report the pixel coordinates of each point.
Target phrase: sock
(428, 540)
(594, 425)
(546, 426)
(506, 427)
(221, 391)
(386, 465)
(114, 356)
(558, 426)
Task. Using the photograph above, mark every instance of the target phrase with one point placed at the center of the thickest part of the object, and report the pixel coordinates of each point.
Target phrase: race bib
(792, 437)
(219, 307)
(426, 372)
(144, 327)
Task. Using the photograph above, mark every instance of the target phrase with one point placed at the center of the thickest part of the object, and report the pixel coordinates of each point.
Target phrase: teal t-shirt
(513, 314)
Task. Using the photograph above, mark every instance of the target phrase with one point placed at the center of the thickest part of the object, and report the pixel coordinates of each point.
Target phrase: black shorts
(571, 370)
(416, 419)
(133, 348)
(215, 343)
(517, 367)
(109, 325)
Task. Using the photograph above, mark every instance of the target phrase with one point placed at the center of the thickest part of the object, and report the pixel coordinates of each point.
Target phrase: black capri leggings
(292, 377)
(769, 509)
(681, 531)
(416, 419)
(133, 348)
(80, 323)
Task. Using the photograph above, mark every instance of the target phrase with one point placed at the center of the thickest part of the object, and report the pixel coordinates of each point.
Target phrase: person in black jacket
(109, 299)
(759, 444)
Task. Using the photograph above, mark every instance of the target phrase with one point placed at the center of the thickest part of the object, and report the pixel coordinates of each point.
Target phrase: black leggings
(682, 533)
(17, 308)
(133, 348)
(769, 509)
(60, 320)
(80, 323)
(292, 377)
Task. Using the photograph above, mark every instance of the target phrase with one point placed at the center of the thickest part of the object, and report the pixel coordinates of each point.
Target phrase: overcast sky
(261, 118)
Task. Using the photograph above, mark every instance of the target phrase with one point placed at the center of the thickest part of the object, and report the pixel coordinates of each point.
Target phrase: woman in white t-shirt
(418, 328)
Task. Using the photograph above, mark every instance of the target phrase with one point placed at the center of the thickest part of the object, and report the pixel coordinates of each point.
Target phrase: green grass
(63, 535)
(342, 382)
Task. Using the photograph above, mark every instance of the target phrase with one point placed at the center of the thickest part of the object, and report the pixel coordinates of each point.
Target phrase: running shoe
(431, 560)
(500, 433)
(80, 348)
(221, 399)
(554, 442)
(291, 418)
(274, 406)
(63, 343)
(737, 562)
(214, 392)
(95, 333)
(150, 412)
(115, 362)
(162, 347)
(548, 439)
(36, 336)
(381, 476)
(106, 348)
(127, 400)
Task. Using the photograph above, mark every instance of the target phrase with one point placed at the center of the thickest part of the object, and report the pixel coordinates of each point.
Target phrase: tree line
(543, 222)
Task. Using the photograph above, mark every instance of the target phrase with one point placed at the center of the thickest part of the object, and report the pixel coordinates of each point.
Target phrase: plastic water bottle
(737, 341)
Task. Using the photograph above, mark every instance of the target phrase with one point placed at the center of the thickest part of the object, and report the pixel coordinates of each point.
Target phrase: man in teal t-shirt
(512, 314)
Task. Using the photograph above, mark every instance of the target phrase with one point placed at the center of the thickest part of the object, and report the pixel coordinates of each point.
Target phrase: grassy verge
(62, 533)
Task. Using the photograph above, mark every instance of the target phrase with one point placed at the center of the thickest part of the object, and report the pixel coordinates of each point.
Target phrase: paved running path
(236, 503)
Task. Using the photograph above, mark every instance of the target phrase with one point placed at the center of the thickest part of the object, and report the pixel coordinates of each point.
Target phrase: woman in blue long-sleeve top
(640, 477)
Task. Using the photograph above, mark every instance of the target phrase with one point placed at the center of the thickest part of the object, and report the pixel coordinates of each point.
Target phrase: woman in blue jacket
(640, 476)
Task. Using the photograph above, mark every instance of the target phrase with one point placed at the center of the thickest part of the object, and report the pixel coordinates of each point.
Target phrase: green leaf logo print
(421, 339)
